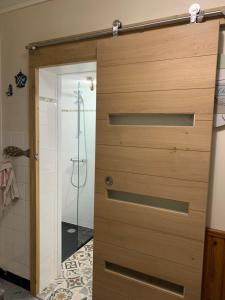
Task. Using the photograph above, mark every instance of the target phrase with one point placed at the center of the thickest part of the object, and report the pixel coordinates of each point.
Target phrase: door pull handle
(108, 180)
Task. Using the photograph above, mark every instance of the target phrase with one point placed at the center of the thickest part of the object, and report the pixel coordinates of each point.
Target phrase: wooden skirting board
(214, 266)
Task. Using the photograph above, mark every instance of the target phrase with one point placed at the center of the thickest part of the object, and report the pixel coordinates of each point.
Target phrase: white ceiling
(9, 5)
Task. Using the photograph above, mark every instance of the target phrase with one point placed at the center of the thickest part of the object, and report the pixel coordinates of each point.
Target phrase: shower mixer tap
(77, 160)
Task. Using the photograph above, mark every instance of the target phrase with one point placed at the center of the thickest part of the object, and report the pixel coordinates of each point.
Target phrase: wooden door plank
(102, 292)
(135, 289)
(160, 44)
(189, 278)
(164, 102)
(64, 54)
(192, 192)
(153, 243)
(187, 165)
(189, 225)
(196, 138)
(185, 73)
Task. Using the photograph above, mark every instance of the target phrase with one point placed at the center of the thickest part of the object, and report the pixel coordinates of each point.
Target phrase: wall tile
(14, 224)
(48, 180)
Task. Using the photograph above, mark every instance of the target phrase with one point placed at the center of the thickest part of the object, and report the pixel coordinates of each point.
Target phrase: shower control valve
(109, 180)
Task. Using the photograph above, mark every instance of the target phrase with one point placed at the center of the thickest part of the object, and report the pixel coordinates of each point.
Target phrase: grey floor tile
(13, 292)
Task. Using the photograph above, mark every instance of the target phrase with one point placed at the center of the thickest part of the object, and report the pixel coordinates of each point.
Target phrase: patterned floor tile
(75, 282)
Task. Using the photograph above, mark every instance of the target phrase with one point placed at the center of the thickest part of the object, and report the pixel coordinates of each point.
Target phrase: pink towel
(8, 185)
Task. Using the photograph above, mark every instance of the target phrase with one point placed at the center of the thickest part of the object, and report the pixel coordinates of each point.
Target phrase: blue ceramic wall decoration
(21, 80)
(10, 90)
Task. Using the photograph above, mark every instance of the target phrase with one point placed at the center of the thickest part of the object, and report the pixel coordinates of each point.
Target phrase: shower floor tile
(75, 282)
(73, 238)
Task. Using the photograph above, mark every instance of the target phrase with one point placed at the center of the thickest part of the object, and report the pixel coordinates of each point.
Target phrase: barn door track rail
(195, 15)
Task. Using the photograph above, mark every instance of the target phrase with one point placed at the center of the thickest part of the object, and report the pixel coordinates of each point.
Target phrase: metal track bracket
(115, 27)
(196, 14)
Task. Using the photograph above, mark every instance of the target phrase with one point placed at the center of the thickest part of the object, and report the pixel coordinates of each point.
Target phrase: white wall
(217, 196)
(69, 147)
(53, 19)
(48, 177)
(216, 210)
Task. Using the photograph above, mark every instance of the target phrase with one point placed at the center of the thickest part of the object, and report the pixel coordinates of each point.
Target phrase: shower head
(89, 78)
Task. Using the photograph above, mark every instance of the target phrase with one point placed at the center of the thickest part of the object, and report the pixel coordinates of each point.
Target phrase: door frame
(67, 53)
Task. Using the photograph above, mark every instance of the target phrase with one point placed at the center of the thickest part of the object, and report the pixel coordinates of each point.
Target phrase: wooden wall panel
(214, 266)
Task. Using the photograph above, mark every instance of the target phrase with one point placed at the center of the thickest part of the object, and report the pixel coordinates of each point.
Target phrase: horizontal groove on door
(151, 280)
(152, 119)
(162, 203)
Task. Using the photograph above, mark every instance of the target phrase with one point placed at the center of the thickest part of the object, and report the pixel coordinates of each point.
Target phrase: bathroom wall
(53, 19)
(15, 223)
(216, 216)
(48, 176)
(69, 144)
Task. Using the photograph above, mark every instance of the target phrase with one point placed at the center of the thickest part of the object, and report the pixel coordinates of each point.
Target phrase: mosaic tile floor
(75, 282)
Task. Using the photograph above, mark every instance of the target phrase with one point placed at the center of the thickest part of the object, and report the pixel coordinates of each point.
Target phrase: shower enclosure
(67, 117)
(78, 114)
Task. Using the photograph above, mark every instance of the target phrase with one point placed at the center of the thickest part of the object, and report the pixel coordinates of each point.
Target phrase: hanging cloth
(8, 185)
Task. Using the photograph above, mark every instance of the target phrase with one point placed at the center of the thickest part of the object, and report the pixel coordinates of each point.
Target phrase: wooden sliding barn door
(154, 124)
